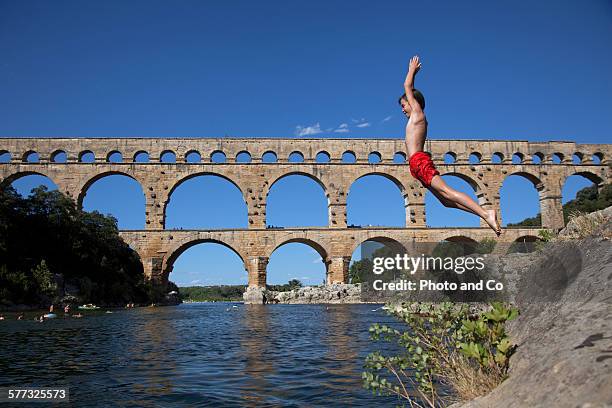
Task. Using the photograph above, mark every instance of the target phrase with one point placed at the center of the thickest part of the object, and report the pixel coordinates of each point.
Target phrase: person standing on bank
(421, 165)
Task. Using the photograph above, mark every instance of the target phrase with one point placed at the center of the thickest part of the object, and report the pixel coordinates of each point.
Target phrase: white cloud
(342, 128)
(308, 130)
(361, 123)
(193, 282)
(317, 260)
(388, 118)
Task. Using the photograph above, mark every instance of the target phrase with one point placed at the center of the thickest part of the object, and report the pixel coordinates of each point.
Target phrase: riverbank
(167, 300)
(36, 312)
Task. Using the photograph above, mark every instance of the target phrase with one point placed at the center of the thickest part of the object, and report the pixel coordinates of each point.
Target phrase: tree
(44, 279)
(294, 284)
(359, 270)
(46, 233)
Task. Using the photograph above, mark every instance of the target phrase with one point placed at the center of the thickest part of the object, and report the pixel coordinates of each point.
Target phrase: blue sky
(517, 70)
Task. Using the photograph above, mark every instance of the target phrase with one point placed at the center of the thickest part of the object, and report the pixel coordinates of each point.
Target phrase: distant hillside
(227, 293)
(220, 293)
(587, 200)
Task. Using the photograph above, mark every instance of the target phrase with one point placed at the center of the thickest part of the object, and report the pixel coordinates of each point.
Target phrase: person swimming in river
(421, 165)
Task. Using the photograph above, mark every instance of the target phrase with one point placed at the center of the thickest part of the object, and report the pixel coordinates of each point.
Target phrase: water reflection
(151, 351)
(341, 354)
(198, 355)
(257, 365)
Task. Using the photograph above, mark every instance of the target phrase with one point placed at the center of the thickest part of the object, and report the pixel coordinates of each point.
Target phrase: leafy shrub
(546, 235)
(448, 354)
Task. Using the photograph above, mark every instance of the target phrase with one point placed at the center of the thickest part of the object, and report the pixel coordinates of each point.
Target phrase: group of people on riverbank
(20, 316)
(67, 313)
(50, 315)
(47, 316)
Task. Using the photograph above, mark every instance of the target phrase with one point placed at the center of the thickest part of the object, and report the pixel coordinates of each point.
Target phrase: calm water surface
(206, 354)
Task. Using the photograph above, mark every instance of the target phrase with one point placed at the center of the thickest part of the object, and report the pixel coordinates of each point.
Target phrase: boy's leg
(463, 202)
(448, 203)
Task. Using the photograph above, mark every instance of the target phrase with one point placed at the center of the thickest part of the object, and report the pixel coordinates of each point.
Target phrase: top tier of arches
(270, 151)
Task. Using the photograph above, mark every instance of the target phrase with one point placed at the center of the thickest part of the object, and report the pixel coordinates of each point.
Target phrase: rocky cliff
(564, 355)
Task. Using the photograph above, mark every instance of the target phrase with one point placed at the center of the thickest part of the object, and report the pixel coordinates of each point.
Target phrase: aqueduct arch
(178, 248)
(399, 180)
(16, 176)
(158, 247)
(98, 176)
(178, 183)
(269, 185)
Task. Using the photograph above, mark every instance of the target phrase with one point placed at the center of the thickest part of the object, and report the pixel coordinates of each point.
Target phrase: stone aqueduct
(158, 248)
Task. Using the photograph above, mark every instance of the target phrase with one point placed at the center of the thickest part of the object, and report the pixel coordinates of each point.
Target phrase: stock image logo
(459, 272)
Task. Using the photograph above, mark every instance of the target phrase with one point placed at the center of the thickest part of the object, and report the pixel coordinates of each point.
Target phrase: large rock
(598, 221)
(256, 296)
(336, 293)
(564, 355)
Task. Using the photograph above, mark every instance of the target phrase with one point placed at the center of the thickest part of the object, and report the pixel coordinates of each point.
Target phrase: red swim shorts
(422, 168)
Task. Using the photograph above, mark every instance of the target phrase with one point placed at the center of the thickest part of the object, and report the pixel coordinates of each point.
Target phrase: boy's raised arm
(413, 68)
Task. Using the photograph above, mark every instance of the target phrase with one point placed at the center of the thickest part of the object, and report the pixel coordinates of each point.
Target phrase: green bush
(448, 354)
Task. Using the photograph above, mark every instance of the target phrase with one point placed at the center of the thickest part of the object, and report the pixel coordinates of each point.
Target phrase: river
(199, 354)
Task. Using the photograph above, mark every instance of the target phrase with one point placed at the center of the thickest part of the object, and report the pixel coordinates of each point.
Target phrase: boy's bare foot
(492, 221)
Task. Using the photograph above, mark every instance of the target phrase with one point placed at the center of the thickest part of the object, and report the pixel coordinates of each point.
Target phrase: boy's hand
(415, 64)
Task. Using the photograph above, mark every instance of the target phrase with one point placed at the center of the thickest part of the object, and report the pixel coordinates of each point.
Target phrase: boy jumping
(421, 165)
